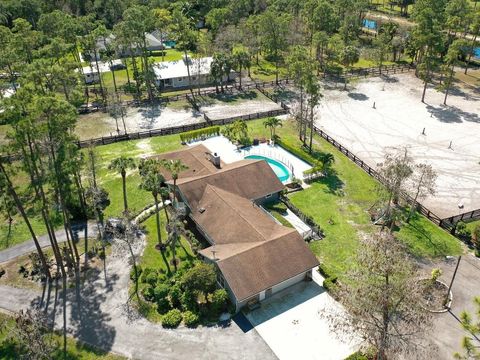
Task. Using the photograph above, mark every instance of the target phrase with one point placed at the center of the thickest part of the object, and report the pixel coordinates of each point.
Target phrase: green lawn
(75, 350)
(152, 258)
(344, 198)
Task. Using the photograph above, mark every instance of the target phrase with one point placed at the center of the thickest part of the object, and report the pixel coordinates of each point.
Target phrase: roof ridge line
(235, 209)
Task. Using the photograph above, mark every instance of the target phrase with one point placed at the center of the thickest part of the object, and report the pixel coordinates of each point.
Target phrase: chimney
(215, 159)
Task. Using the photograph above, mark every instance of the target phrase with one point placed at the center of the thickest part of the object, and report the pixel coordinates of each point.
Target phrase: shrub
(476, 240)
(151, 278)
(329, 284)
(197, 134)
(190, 319)
(145, 273)
(161, 291)
(175, 295)
(462, 230)
(163, 306)
(436, 273)
(148, 293)
(132, 273)
(326, 272)
(218, 301)
(357, 356)
(188, 300)
(201, 277)
(172, 319)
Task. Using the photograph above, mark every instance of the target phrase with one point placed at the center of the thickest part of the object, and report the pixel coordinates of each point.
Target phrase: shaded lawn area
(152, 258)
(344, 198)
(112, 182)
(75, 350)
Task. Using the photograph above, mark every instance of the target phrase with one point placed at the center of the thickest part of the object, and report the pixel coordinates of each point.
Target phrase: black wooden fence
(370, 72)
(446, 223)
(176, 129)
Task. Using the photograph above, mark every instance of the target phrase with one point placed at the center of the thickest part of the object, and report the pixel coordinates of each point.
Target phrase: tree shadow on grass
(423, 235)
(333, 183)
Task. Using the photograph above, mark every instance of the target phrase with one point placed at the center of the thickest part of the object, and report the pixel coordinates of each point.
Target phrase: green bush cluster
(191, 290)
(330, 277)
(200, 133)
(462, 230)
(172, 319)
(190, 319)
(297, 152)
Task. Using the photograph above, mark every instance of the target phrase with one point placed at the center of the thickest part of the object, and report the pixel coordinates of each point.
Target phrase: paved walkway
(79, 230)
(465, 287)
(101, 318)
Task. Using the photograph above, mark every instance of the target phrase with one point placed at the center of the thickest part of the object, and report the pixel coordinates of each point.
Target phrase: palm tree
(174, 167)
(173, 236)
(272, 123)
(327, 160)
(152, 181)
(241, 60)
(121, 165)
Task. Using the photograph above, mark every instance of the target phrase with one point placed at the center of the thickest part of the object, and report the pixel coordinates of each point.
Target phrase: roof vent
(201, 210)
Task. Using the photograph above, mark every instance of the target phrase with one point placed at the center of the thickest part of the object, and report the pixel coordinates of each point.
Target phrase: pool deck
(228, 153)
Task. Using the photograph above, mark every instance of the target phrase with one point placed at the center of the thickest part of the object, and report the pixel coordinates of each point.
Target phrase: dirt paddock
(377, 116)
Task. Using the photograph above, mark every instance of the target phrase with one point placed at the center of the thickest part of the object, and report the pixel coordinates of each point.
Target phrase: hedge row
(200, 133)
(297, 152)
(330, 277)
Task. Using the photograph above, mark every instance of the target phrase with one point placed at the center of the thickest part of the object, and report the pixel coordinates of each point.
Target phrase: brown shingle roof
(268, 264)
(252, 251)
(251, 179)
(195, 157)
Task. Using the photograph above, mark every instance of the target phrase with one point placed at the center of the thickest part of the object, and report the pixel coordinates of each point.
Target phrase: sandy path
(398, 121)
(221, 111)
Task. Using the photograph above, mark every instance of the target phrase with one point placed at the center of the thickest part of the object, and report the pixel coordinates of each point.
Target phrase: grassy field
(75, 350)
(152, 258)
(339, 205)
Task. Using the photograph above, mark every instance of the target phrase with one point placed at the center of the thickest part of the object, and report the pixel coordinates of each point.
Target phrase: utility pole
(453, 278)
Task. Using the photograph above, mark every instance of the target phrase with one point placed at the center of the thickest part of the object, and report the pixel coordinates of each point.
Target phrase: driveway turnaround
(98, 315)
(295, 324)
(465, 287)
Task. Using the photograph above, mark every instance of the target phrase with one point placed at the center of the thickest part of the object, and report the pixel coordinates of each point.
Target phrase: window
(221, 280)
(180, 79)
(194, 78)
(267, 196)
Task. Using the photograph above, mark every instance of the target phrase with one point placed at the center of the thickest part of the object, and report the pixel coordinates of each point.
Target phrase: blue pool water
(170, 43)
(370, 24)
(278, 168)
(476, 53)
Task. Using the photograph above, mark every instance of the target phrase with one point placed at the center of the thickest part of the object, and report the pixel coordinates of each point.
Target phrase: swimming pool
(370, 24)
(278, 168)
(476, 53)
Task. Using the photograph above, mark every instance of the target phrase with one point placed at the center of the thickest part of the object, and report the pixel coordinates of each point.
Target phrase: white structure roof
(177, 69)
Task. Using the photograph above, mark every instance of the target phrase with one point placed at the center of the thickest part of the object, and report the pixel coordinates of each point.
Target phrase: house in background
(255, 256)
(153, 44)
(174, 74)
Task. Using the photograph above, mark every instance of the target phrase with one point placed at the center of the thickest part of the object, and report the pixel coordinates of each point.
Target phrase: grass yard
(152, 258)
(75, 350)
(344, 198)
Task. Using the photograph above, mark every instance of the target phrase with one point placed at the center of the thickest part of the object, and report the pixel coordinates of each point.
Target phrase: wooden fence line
(448, 224)
(176, 129)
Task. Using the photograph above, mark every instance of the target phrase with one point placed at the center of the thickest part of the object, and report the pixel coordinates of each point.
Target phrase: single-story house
(174, 74)
(90, 75)
(153, 44)
(255, 256)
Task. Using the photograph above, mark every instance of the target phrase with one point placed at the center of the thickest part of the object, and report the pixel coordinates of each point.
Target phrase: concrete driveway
(447, 334)
(294, 324)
